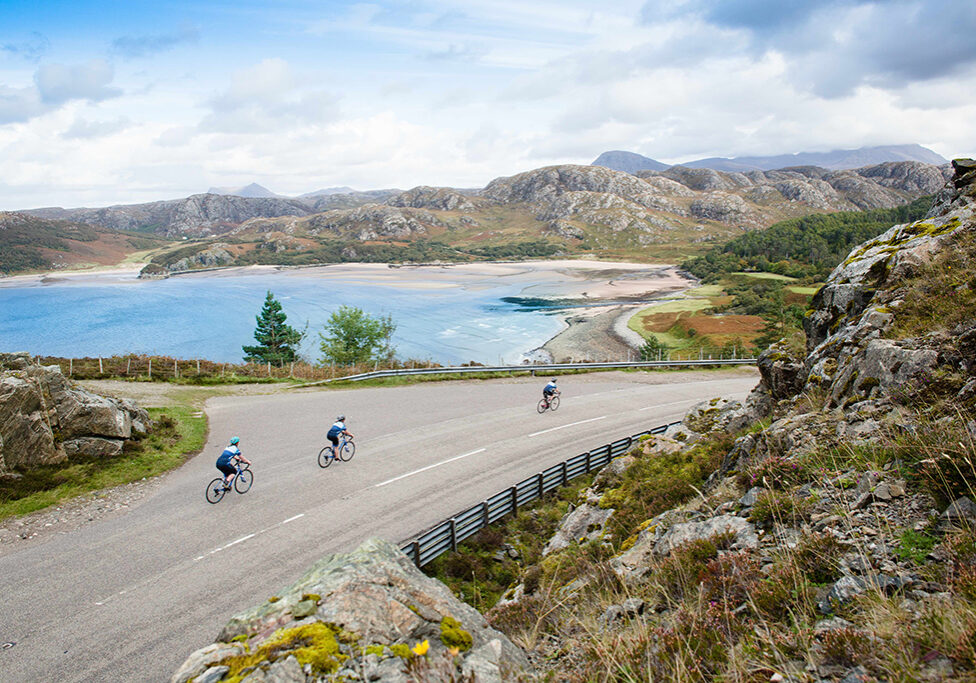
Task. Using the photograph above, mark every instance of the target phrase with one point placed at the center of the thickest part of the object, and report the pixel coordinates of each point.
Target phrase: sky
(121, 102)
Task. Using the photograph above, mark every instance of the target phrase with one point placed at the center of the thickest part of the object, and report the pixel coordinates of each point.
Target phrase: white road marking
(292, 519)
(429, 467)
(240, 540)
(571, 424)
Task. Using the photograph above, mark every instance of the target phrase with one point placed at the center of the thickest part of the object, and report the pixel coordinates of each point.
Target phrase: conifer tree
(277, 342)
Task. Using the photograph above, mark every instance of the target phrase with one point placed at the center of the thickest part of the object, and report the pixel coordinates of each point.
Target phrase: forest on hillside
(805, 248)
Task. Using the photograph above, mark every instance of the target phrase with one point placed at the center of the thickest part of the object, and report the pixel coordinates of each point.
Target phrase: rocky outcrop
(196, 215)
(367, 615)
(440, 198)
(45, 419)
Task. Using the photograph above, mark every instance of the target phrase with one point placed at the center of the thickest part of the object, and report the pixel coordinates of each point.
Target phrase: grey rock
(45, 418)
(960, 510)
(93, 446)
(377, 593)
(213, 674)
(633, 607)
(750, 497)
(286, 670)
(831, 624)
(205, 657)
(745, 533)
(585, 523)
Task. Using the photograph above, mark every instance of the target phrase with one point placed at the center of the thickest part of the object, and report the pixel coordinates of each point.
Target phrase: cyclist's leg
(335, 446)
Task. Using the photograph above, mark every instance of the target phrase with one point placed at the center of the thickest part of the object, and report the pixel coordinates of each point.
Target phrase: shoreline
(593, 298)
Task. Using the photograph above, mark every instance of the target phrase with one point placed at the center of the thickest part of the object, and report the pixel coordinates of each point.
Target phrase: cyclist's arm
(241, 457)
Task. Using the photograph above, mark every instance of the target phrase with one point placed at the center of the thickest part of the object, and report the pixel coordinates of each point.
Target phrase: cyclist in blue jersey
(227, 461)
(335, 431)
(549, 390)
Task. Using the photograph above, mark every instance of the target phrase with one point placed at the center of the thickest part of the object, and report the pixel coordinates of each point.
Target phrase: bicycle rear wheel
(542, 405)
(553, 403)
(215, 490)
(326, 457)
(347, 451)
(243, 481)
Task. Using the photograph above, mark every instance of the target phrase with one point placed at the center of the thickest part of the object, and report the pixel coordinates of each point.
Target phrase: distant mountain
(838, 159)
(252, 190)
(325, 192)
(628, 162)
(835, 160)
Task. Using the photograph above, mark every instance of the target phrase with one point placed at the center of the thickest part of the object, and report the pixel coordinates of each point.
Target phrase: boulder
(45, 418)
(585, 523)
(378, 599)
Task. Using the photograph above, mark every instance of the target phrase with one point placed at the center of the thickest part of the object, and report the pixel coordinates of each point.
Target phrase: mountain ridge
(835, 160)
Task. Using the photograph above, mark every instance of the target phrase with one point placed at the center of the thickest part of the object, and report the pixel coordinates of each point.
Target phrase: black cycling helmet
(341, 418)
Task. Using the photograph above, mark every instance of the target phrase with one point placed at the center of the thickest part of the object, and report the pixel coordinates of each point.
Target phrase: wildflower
(420, 649)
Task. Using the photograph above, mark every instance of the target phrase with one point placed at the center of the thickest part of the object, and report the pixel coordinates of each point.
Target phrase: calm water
(212, 317)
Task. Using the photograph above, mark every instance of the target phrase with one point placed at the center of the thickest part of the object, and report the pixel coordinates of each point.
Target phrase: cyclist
(227, 461)
(339, 428)
(549, 390)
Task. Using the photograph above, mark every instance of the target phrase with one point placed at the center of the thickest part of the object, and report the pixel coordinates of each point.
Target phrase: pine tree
(277, 342)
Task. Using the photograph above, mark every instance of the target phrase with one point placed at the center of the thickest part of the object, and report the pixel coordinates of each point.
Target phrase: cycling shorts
(226, 467)
(334, 439)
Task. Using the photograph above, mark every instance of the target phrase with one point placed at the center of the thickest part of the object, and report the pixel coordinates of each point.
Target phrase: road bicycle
(242, 483)
(346, 449)
(550, 403)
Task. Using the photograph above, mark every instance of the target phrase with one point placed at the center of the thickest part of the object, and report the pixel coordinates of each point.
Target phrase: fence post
(100, 371)
(269, 368)
(176, 369)
(514, 491)
(291, 372)
(150, 367)
(198, 366)
(453, 535)
(71, 367)
(128, 363)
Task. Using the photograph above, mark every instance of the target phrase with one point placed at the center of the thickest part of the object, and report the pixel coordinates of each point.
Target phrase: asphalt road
(129, 598)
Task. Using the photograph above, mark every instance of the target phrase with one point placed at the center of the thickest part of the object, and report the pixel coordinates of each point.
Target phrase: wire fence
(133, 366)
(446, 535)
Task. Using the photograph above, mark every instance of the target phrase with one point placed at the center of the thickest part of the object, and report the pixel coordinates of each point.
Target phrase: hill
(653, 215)
(31, 243)
(835, 160)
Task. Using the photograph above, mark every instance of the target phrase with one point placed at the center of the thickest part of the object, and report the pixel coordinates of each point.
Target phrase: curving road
(130, 597)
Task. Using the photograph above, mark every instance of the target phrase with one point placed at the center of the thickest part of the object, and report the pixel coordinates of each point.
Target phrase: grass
(179, 432)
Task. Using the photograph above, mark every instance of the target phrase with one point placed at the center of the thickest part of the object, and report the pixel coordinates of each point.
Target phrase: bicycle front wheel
(542, 405)
(326, 457)
(553, 403)
(243, 481)
(347, 451)
(215, 490)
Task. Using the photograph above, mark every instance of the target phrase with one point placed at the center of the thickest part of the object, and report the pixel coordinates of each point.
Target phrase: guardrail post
(416, 553)
(514, 491)
(565, 470)
(453, 534)
(484, 514)
(587, 462)
(541, 486)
